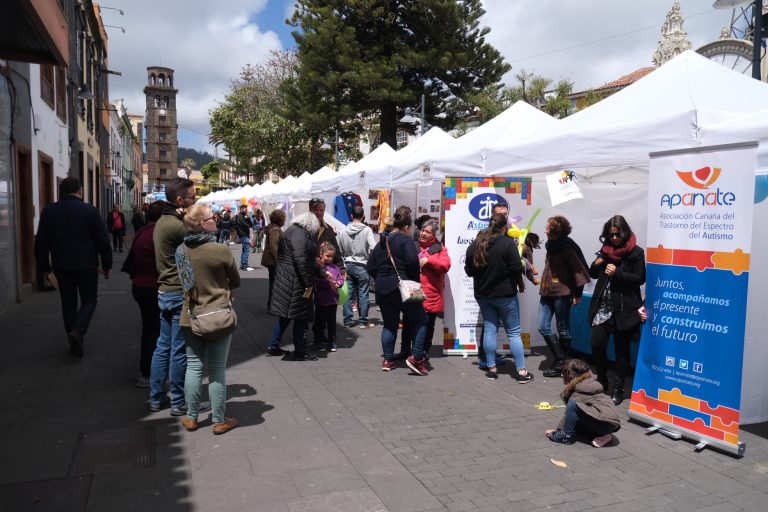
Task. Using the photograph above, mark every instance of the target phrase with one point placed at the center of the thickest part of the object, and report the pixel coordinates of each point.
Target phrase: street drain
(102, 452)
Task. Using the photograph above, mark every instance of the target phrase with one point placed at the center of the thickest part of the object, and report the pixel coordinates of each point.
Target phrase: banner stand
(689, 366)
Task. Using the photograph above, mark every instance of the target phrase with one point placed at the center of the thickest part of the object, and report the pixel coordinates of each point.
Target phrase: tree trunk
(388, 124)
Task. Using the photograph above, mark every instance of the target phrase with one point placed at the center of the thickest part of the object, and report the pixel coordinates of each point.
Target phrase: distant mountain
(200, 158)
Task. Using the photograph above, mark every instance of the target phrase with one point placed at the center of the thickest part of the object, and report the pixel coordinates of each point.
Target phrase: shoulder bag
(410, 291)
(213, 320)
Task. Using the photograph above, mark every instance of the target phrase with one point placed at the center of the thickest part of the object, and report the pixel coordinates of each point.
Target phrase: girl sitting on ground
(587, 409)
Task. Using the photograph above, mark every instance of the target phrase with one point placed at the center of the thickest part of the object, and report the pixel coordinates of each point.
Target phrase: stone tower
(674, 40)
(160, 122)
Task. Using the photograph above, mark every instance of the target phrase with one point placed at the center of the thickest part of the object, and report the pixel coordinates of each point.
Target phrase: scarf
(561, 244)
(616, 254)
(432, 247)
(172, 209)
(183, 263)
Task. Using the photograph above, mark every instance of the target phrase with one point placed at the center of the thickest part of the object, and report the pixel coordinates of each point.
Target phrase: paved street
(333, 435)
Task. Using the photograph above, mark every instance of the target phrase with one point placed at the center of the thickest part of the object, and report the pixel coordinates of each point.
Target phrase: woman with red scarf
(620, 271)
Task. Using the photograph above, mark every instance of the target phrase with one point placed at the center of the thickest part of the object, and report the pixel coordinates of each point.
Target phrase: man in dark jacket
(294, 279)
(243, 225)
(75, 236)
(116, 226)
(326, 233)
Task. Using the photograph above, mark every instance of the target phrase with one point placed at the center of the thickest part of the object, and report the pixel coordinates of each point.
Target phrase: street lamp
(422, 120)
(757, 29)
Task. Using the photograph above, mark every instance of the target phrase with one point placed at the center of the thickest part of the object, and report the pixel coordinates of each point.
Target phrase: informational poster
(688, 376)
(563, 186)
(468, 205)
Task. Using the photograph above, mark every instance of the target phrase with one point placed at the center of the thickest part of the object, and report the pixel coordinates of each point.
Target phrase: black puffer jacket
(294, 272)
(625, 288)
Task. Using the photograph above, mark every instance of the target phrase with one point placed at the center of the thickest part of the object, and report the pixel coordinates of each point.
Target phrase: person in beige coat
(208, 272)
(273, 232)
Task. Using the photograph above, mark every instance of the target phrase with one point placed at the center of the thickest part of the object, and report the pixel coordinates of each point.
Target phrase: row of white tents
(689, 102)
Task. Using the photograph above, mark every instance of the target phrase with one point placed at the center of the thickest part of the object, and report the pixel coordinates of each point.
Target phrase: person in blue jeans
(169, 360)
(355, 243)
(493, 262)
(243, 224)
(562, 282)
(395, 257)
(588, 410)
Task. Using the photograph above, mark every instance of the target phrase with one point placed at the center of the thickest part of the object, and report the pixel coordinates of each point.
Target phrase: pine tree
(374, 57)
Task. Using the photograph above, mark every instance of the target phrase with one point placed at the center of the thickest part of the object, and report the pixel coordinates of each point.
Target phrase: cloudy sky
(587, 41)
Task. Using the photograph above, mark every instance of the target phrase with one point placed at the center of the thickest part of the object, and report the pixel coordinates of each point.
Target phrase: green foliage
(591, 97)
(210, 171)
(535, 90)
(251, 124)
(200, 158)
(366, 59)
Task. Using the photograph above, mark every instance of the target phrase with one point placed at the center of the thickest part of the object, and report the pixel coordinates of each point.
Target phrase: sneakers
(601, 441)
(367, 326)
(559, 436)
(388, 365)
(298, 356)
(523, 378)
(277, 352)
(189, 424)
(181, 411)
(223, 428)
(75, 338)
(158, 406)
(247, 269)
(332, 347)
(417, 365)
(491, 374)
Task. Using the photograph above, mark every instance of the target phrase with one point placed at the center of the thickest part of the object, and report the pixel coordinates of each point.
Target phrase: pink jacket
(433, 274)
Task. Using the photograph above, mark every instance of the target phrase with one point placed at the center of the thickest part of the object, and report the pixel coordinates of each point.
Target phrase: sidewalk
(336, 435)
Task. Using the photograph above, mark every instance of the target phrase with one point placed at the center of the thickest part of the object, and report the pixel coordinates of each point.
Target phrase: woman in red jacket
(435, 263)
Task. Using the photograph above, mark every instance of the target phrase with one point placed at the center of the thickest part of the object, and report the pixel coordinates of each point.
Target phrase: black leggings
(146, 298)
(621, 339)
(325, 321)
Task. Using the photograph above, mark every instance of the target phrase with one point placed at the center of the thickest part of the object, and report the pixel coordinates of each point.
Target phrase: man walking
(243, 225)
(356, 243)
(75, 236)
(169, 361)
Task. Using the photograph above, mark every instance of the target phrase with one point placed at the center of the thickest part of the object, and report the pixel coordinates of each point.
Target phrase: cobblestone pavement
(336, 434)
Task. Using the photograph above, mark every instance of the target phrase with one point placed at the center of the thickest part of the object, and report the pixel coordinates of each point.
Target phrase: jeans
(224, 236)
(299, 330)
(246, 242)
(359, 284)
(213, 354)
(146, 298)
(578, 420)
(560, 307)
(72, 282)
(170, 357)
(413, 316)
(506, 309)
(406, 342)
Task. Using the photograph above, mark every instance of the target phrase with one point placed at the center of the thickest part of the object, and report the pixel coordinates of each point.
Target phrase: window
(161, 79)
(165, 102)
(157, 101)
(164, 154)
(61, 94)
(46, 84)
(162, 119)
(162, 136)
(152, 79)
(402, 138)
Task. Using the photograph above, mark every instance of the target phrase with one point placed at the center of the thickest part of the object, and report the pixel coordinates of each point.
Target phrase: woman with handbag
(493, 262)
(208, 273)
(394, 264)
(620, 271)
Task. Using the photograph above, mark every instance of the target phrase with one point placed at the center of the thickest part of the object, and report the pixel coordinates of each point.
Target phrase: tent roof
(407, 159)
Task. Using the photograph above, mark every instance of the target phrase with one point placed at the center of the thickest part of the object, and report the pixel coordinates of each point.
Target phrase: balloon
(761, 188)
(243, 200)
(216, 208)
(343, 294)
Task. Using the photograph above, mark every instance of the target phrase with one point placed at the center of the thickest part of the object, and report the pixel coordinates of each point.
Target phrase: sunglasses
(615, 235)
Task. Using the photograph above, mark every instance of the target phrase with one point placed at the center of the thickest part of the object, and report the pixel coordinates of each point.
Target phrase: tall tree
(251, 123)
(377, 56)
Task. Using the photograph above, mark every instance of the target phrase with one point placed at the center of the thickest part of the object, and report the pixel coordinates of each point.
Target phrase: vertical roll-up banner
(688, 375)
(468, 205)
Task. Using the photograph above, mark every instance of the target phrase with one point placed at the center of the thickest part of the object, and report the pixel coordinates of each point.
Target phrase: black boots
(618, 391)
(556, 369)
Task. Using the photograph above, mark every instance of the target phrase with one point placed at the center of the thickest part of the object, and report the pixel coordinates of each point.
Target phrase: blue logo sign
(481, 206)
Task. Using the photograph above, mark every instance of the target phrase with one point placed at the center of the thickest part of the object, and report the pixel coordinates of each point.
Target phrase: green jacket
(169, 234)
(215, 274)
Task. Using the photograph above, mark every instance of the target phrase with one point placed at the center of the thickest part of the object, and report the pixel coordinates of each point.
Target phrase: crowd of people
(179, 265)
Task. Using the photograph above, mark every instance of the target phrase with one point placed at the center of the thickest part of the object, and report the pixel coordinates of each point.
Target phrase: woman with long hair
(493, 262)
(620, 271)
(208, 274)
(274, 231)
(562, 283)
(394, 258)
